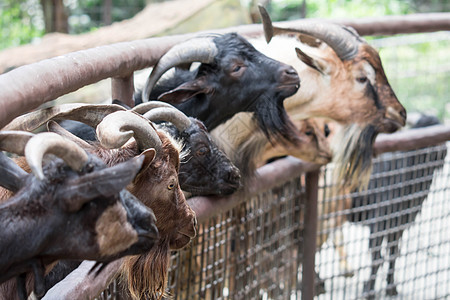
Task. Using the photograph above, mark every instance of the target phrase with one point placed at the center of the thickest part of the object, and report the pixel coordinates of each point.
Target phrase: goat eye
(171, 186)
(361, 79)
(202, 151)
(89, 168)
(309, 132)
(327, 130)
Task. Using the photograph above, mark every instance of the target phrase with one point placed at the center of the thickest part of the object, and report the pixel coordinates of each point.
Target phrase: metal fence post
(123, 89)
(309, 236)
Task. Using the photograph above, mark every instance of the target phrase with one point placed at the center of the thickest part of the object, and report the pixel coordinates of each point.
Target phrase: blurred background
(417, 65)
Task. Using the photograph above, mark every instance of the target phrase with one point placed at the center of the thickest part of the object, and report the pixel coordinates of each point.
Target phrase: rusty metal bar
(412, 139)
(27, 87)
(267, 177)
(391, 25)
(122, 88)
(81, 285)
(310, 235)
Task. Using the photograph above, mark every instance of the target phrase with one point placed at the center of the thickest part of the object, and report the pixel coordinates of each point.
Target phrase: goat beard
(352, 156)
(146, 274)
(274, 122)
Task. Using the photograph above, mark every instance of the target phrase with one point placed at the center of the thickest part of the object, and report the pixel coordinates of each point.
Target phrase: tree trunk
(55, 16)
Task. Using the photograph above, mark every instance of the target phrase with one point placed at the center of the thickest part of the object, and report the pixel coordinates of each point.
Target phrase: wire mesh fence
(250, 252)
(393, 238)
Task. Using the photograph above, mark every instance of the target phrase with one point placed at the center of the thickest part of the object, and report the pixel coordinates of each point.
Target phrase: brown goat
(156, 185)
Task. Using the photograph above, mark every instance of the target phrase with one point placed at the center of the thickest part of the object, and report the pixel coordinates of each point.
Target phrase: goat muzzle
(289, 81)
(393, 120)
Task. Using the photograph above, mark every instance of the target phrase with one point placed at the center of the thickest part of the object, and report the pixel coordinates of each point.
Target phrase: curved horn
(14, 141)
(172, 115)
(201, 49)
(145, 107)
(345, 41)
(117, 128)
(162, 111)
(90, 114)
(49, 142)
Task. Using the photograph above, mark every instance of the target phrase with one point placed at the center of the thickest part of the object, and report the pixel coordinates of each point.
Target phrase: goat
(411, 186)
(255, 151)
(232, 77)
(344, 81)
(156, 185)
(204, 170)
(61, 212)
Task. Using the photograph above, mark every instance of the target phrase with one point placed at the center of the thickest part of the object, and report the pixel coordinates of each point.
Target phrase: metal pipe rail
(27, 87)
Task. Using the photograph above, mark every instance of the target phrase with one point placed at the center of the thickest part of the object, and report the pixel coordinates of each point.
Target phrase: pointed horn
(117, 128)
(345, 41)
(162, 111)
(14, 141)
(202, 49)
(90, 114)
(49, 142)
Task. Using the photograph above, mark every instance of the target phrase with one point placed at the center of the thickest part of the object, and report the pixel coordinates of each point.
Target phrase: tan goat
(342, 79)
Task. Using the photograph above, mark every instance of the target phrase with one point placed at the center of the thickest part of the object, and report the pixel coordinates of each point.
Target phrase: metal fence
(256, 249)
(261, 245)
(394, 237)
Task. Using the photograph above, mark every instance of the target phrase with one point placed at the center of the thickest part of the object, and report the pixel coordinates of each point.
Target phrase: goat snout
(393, 119)
(289, 81)
(289, 75)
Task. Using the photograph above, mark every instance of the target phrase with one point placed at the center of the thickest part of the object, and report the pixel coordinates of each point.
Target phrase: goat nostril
(290, 71)
(403, 113)
(233, 175)
(195, 222)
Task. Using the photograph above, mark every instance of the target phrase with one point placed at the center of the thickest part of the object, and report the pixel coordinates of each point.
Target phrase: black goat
(232, 77)
(204, 170)
(395, 200)
(62, 212)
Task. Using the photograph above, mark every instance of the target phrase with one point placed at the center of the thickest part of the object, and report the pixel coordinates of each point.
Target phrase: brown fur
(147, 274)
(336, 93)
(314, 136)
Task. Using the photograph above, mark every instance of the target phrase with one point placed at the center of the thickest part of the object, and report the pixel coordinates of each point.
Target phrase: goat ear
(12, 175)
(149, 156)
(316, 64)
(186, 91)
(103, 183)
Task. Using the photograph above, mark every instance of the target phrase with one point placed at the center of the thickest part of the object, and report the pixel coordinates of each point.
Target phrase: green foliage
(87, 15)
(419, 75)
(20, 22)
(281, 10)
